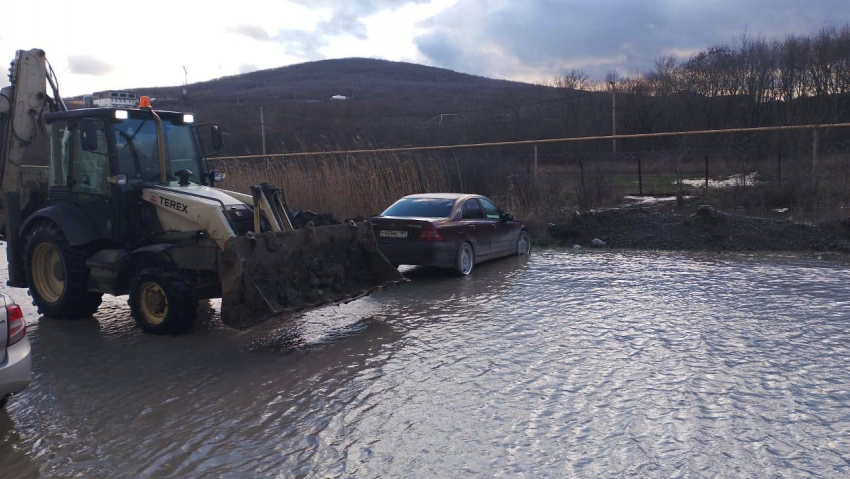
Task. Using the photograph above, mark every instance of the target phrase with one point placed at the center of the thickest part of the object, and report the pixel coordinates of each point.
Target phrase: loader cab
(101, 157)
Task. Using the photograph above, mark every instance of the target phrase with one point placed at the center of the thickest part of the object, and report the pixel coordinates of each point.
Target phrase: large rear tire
(57, 275)
(465, 260)
(163, 301)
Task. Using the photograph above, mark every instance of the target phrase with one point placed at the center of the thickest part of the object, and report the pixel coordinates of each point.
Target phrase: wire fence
(742, 167)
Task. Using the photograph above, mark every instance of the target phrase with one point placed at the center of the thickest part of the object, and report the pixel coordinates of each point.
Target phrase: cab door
(477, 227)
(88, 178)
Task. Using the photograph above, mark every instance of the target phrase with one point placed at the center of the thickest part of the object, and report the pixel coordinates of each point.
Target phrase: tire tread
(76, 301)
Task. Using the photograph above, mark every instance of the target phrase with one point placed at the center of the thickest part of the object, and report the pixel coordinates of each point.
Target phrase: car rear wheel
(523, 244)
(465, 260)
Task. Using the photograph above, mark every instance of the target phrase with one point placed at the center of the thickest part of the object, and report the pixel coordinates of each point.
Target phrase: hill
(387, 103)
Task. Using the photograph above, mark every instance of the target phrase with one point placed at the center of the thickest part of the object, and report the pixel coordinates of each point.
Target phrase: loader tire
(163, 301)
(57, 275)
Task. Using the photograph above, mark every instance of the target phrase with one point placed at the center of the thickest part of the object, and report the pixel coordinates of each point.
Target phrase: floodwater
(570, 363)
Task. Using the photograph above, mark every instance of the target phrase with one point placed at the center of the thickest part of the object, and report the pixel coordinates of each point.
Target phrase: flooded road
(589, 363)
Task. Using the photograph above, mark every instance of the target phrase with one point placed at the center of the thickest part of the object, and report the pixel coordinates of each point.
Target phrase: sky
(100, 45)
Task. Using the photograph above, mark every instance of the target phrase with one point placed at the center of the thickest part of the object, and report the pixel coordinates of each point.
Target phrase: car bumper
(420, 253)
(16, 369)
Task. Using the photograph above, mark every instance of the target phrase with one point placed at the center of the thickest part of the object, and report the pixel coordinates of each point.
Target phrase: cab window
(491, 211)
(60, 153)
(91, 168)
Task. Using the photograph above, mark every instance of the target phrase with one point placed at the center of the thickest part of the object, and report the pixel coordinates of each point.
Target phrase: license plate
(393, 234)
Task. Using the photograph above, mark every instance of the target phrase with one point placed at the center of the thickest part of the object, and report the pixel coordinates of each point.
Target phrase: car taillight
(430, 233)
(17, 325)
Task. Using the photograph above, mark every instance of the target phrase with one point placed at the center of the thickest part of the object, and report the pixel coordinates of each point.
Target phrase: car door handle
(472, 227)
(493, 225)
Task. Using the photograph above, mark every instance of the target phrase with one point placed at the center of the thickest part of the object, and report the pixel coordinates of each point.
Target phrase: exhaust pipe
(160, 141)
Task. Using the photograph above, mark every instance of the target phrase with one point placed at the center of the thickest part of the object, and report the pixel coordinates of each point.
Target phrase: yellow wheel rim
(48, 272)
(153, 302)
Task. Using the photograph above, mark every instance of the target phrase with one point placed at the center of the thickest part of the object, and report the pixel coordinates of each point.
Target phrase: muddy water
(590, 363)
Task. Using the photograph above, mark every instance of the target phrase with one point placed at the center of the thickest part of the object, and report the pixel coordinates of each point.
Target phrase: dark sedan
(448, 230)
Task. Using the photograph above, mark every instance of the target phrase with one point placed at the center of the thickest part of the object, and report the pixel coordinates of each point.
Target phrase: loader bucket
(278, 274)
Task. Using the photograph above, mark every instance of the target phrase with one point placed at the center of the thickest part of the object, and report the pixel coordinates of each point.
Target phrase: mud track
(707, 229)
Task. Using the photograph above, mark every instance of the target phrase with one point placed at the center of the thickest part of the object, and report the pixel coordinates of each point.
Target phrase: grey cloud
(247, 68)
(250, 31)
(302, 44)
(346, 19)
(515, 38)
(88, 65)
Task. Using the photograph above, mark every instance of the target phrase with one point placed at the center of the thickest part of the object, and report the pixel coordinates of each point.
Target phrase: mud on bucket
(277, 274)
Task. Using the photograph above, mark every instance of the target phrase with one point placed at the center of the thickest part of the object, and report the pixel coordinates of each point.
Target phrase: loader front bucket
(278, 274)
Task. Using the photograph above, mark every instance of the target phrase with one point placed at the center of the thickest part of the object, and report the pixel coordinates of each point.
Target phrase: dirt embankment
(706, 229)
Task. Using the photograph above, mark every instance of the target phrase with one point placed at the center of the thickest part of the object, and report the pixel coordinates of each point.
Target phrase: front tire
(465, 260)
(57, 275)
(163, 302)
(523, 244)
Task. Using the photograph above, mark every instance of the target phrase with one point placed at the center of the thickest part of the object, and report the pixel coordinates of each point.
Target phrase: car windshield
(138, 157)
(421, 207)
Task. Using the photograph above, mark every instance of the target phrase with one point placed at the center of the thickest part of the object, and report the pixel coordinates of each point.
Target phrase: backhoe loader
(121, 201)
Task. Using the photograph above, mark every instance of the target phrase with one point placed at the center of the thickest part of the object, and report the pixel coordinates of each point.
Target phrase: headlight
(188, 118)
(121, 114)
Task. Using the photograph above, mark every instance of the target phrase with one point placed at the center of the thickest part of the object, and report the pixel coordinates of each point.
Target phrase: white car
(15, 362)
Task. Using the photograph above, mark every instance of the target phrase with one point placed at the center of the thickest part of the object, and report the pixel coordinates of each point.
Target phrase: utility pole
(535, 162)
(185, 80)
(263, 130)
(613, 86)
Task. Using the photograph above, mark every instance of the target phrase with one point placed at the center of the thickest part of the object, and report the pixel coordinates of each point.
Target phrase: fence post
(535, 162)
(263, 130)
(706, 176)
(814, 150)
(640, 179)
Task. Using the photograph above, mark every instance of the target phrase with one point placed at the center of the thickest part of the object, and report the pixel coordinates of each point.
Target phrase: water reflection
(594, 363)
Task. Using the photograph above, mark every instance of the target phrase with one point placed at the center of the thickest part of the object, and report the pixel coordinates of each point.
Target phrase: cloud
(346, 19)
(247, 68)
(524, 39)
(250, 31)
(88, 65)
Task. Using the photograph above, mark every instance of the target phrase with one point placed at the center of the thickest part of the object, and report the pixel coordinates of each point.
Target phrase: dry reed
(344, 186)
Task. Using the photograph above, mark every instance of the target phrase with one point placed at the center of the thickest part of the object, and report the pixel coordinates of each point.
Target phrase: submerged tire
(523, 244)
(163, 301)
(57, 275)
(465, 260)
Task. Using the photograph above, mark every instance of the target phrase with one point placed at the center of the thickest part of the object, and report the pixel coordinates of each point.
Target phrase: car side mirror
(89, 135)
(507, 217)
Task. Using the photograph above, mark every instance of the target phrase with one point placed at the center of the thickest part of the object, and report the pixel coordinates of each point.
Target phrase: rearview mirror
(209, 134)
(215, 138)
(89, 135)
